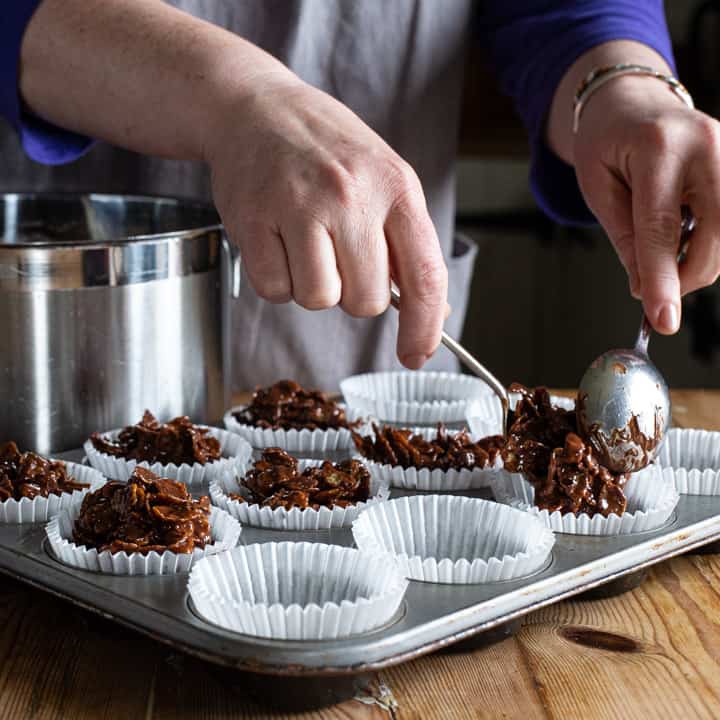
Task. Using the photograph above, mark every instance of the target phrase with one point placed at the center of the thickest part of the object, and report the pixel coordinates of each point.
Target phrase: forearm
(137, 73)
(558, 130)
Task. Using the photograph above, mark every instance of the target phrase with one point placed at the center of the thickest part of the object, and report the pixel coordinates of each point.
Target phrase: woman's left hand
(640, 154)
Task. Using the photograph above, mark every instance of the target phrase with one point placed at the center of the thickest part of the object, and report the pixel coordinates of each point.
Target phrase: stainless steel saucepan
(109, 305)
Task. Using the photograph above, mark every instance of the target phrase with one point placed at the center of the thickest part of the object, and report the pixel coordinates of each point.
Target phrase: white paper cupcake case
(425, 479)
(41, 509)
(235, 452)
(651, 501)
(296, 591)
(295, 441)
(254, 515)
(454, 539)
(415, 398)
(485, 417)
(224, 528)
(691, 460)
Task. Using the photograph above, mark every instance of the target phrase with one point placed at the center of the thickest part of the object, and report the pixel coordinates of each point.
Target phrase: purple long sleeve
(532, 44)
(42, 141)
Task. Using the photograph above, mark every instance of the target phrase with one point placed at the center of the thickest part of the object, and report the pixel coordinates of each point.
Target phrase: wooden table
(656, 654)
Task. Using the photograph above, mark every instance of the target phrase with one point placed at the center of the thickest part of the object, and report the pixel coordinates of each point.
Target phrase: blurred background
(547, 300)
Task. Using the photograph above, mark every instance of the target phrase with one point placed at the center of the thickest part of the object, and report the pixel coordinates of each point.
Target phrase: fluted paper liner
(414, 398)
(313, 442)
(485, 416)
(253, 514)
(41, 509)
(235, 453)
(224, 528)
(425, 479)
(651, 501)
(691, 460)
(454, 539)
(296, 591)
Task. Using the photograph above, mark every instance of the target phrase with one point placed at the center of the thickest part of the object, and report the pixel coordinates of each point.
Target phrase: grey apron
(398, 65)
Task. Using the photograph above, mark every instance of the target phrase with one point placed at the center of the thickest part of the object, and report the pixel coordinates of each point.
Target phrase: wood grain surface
(653, 652)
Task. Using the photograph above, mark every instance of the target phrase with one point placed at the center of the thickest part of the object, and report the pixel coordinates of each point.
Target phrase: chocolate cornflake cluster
(544, 445)
(177, 441)
(287, 406)
(446, 451)
(275, 482)
(28, 475)
(147, 513)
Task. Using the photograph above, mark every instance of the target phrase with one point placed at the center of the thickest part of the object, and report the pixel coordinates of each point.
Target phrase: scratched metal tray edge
(667, 542)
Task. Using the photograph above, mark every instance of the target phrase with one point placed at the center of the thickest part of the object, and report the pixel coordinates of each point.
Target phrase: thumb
(656, 212)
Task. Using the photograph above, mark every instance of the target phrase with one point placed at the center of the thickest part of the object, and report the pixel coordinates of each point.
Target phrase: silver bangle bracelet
(599, 76)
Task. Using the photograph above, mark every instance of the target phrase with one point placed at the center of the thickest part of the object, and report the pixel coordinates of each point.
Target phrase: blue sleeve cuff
(42, 141)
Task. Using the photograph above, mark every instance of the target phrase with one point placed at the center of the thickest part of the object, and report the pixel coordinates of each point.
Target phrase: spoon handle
(687, 225)
(470, 362)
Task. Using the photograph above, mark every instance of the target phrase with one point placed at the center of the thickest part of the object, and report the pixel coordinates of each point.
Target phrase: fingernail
(668, 318)
(414, 362)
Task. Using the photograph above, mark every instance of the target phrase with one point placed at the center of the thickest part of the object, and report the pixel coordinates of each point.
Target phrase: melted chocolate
(28, 475)
(627, 448)
(543, 444)
(178, 441)
(287, 406)
(145, 514)
(390, 446)
(275, 481)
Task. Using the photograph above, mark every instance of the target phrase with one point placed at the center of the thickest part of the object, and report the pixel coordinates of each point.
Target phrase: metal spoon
(476, 367)
(623, 404)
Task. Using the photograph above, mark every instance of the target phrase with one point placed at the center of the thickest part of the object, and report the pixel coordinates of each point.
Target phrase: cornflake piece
(446, 451)
(286, 406)
(178, 442)
(275, 481)
(544, 445)
(147, 513)
(28, 475)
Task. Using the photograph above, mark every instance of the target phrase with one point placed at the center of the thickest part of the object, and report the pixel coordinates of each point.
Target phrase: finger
(611, 202)
(266, 265)
(702, 262)
(311, 258)
(362, 259)
(657, 197)
(421, 274)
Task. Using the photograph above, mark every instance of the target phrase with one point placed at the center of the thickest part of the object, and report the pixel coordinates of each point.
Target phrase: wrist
(615, 75)
(240, 99)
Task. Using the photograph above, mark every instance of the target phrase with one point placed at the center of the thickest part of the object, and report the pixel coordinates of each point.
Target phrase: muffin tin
(430, 617)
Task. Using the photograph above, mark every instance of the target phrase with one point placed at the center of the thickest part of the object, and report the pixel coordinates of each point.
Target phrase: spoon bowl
(623, 404)
(623, 409)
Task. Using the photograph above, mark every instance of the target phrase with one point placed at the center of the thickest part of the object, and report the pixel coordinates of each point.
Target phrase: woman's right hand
(324, 211)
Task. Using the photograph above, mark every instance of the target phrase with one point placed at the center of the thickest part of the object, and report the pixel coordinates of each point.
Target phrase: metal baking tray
(432, 616)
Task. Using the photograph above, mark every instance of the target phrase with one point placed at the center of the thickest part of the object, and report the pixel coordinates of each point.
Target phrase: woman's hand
(639, 155)
(324, 211)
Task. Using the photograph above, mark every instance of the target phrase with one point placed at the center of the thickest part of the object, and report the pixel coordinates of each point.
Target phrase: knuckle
(320, 298)
(344, 182)
(273, 292)
(367, 306)
(661, 229)
(404, 184)
(430, 281)
(709, 132)
(657, 134)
